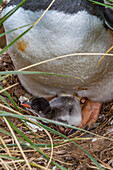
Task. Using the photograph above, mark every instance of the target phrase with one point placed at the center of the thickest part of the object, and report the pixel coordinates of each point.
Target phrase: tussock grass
(15, 142)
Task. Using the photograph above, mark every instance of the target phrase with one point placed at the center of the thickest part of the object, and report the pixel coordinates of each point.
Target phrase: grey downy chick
(62, 109)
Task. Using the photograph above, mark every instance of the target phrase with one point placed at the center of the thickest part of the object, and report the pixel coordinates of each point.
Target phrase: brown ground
(68, 155)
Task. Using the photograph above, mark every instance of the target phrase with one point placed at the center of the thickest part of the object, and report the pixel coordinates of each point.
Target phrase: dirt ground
(68, 155)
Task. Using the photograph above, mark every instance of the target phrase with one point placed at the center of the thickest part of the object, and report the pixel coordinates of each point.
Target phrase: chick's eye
(34, 107)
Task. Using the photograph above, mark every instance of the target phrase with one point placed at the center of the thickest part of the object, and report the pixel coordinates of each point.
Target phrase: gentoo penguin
(69, 26)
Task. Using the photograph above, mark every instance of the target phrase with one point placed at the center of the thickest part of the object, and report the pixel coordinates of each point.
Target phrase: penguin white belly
(58, 34)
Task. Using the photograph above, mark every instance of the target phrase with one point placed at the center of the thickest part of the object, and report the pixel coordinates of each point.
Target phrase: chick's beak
(26, 104)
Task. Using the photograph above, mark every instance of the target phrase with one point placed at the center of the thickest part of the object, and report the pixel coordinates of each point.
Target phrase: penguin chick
(62, 109)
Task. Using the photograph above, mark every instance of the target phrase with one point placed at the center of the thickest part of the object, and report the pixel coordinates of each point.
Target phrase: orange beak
(25, 105)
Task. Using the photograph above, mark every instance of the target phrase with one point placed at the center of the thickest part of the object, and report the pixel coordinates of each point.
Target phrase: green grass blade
(3, 113)
(1, 98)
(37, 72)
(5, 132)
(3, 77)
(15, 29)
(10, 98)
(16, 39)
(99, 3)
(3, 19)
(110, 1)
(9, 134)
(8, 157)
(0, 2)
(24, 145)
(20, 133)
